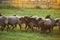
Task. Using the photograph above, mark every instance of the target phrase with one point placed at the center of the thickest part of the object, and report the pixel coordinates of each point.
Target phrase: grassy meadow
(18, 34)
(28, 12)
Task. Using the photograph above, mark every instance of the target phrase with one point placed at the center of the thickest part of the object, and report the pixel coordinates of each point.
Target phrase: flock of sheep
(10, 22)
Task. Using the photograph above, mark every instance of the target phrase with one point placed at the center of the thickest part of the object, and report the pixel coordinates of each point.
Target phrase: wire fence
(29, 4)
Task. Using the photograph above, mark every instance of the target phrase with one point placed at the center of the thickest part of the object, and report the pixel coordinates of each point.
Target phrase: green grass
(38, 12)
(22, 34)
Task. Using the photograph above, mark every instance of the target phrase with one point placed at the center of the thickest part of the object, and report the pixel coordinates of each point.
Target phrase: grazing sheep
(3, 22)
(21, 21)
(46, 25)
(13, 21)
(30, 22)
(57, 22)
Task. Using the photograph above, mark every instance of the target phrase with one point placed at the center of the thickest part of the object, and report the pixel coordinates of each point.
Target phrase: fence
(29, 4)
